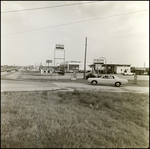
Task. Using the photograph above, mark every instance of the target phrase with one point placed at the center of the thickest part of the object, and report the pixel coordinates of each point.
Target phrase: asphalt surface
(14, 75)
(11, 83)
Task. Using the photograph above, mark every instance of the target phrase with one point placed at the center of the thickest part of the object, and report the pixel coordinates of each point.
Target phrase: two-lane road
(9, 85)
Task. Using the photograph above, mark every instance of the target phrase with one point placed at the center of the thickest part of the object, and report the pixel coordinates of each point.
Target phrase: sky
(118, 31)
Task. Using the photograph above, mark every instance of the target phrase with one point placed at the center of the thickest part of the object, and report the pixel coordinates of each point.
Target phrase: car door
(111, 80)
(103, 80)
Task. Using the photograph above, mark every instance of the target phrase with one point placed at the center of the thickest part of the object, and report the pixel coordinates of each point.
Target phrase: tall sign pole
(85, 57)
(59, 47)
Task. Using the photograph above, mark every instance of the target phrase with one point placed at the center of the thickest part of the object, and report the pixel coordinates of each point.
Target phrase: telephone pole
(85, 57)
(144, 66)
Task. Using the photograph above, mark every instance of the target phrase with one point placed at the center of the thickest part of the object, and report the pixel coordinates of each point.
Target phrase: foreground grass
(85, 119)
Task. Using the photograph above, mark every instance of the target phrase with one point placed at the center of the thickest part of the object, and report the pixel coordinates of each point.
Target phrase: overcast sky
(115, 30)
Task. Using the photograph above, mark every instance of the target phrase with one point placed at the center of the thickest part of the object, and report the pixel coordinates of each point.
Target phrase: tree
(147, 70)
(62, 70)
(132, 69)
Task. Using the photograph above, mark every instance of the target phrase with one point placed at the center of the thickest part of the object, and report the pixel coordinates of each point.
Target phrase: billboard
(59, 46)
(48, 61)
(101, 61)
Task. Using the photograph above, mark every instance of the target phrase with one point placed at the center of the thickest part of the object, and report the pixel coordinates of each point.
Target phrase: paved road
(14, 75)
(9, 85)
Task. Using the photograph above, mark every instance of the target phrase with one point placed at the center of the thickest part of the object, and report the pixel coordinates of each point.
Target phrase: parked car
(90, 75)
(81, 71)
(88, 71)
(70, 71)
(108, 80)
(128, 73)
(61, 72)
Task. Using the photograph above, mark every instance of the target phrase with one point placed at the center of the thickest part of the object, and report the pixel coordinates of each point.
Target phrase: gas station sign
(101, 61)
(59, 46)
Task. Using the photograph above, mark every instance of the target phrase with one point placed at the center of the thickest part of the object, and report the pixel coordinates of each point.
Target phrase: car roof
(110, 75)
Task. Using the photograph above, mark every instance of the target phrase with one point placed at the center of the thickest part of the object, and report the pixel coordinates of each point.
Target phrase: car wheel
(117, 84)
(94, 82)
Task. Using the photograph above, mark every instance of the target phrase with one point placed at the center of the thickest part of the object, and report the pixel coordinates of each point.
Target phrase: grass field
(78, 119)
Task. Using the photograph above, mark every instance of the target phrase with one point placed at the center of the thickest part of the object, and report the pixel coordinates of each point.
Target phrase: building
(99, 66)
(110, 68)
(45, 70)
(139, 70)
(71, 65)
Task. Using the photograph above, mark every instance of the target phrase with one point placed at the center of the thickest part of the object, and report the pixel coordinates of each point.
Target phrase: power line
(116, 48)
(76, 22)
(75, 46)
(35, 42)
(45, 7)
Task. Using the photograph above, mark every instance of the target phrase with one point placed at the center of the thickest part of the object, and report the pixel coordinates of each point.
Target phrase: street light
(105, 63)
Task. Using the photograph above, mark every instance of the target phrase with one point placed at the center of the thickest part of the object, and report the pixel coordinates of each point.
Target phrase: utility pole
(85, 57)
(144, 66)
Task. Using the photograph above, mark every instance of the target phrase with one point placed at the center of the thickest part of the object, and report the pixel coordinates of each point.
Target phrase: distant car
(108, 80)
(70, 71)
(128, 73)
(88, 71)
(81, 71)
(90, 75)
(8, 70)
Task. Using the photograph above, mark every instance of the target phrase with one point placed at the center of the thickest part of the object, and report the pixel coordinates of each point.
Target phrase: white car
(128, 73)
(108, 80)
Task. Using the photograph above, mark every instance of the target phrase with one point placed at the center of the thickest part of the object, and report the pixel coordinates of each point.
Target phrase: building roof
(46, 68)
(91, 65)
(139, 68)
(118, 64)
(110, 64)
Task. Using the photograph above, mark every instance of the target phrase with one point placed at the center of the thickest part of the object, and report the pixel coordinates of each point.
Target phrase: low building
(71, 65)
(110, 68)
(139, 70)
(45, 70)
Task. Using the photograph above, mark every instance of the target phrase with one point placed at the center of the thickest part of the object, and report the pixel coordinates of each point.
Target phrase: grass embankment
(86, 119)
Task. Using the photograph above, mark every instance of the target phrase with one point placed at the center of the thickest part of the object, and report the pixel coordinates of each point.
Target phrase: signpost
(48, 61)
(100, 61)
(60, 48)
(135, 78)
(74, 75)
(103, 63)
(98, 68)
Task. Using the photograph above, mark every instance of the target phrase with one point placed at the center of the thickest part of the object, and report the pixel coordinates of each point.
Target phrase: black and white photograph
(74, 74)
